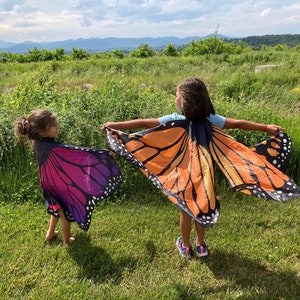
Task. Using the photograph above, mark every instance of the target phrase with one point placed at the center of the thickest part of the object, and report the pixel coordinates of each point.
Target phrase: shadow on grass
(253, 277)
(96, 264)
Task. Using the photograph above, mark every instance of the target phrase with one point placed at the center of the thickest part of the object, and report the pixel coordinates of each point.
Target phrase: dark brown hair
(196, 104)
(38, 121)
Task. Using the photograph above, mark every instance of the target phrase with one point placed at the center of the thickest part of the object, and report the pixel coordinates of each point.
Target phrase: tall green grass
(121, 89)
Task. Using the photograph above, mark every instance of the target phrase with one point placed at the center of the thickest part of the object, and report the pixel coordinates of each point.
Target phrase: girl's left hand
(273, 129)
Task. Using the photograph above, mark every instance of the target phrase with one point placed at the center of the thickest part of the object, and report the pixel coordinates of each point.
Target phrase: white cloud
(265, 12)
(54, 20)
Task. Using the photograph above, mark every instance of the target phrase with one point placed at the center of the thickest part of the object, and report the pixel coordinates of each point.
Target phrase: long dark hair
(38, 121)
(196, 103)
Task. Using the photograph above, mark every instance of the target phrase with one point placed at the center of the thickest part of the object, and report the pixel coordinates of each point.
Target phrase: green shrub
(88, 93)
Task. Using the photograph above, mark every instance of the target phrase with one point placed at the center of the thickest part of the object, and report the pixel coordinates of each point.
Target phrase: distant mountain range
(99, 44)
(127, 44)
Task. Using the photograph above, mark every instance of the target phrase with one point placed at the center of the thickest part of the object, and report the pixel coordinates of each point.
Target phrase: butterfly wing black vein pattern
(252, 173)
(176, 164)
(178, 158)
(77, 178)
(277, 150)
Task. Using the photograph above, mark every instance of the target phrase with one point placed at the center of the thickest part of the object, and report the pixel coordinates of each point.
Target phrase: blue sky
(56, 20)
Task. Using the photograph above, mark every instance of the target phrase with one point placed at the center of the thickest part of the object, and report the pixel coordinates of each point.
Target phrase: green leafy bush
(87, 93)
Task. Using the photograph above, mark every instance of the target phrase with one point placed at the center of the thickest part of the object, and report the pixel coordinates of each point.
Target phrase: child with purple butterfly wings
(73, 179)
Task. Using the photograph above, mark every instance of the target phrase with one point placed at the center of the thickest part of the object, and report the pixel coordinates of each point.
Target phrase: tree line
(211, 45)
(257, 42)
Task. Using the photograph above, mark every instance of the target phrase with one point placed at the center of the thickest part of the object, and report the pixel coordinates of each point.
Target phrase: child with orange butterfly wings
(193, 101)
(73, 179)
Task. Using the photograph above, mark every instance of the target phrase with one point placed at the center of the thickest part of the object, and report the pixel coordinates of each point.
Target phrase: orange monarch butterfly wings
(178, 158)
(277, 150)
(176, 164)
(255, 171)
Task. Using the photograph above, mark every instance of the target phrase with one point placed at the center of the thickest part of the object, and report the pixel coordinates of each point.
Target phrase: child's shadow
(96, 264)
(250, 275)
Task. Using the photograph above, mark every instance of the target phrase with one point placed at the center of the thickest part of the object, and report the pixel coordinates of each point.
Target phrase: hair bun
(24, 126)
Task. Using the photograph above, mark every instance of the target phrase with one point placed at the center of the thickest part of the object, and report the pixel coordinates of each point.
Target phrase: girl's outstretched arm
(248, 125)
(132, 124)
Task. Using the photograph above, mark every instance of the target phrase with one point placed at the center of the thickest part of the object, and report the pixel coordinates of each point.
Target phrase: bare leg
(51, 232)
(185, 228)
(66, 229)
(200, 230)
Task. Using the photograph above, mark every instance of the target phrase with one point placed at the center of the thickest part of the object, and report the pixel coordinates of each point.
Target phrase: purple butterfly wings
(78, 178)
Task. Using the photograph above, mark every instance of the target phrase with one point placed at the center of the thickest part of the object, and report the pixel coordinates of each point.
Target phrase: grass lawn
(129, 253)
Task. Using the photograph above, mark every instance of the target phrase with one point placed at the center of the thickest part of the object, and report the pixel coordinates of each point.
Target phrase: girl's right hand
(105, 125)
